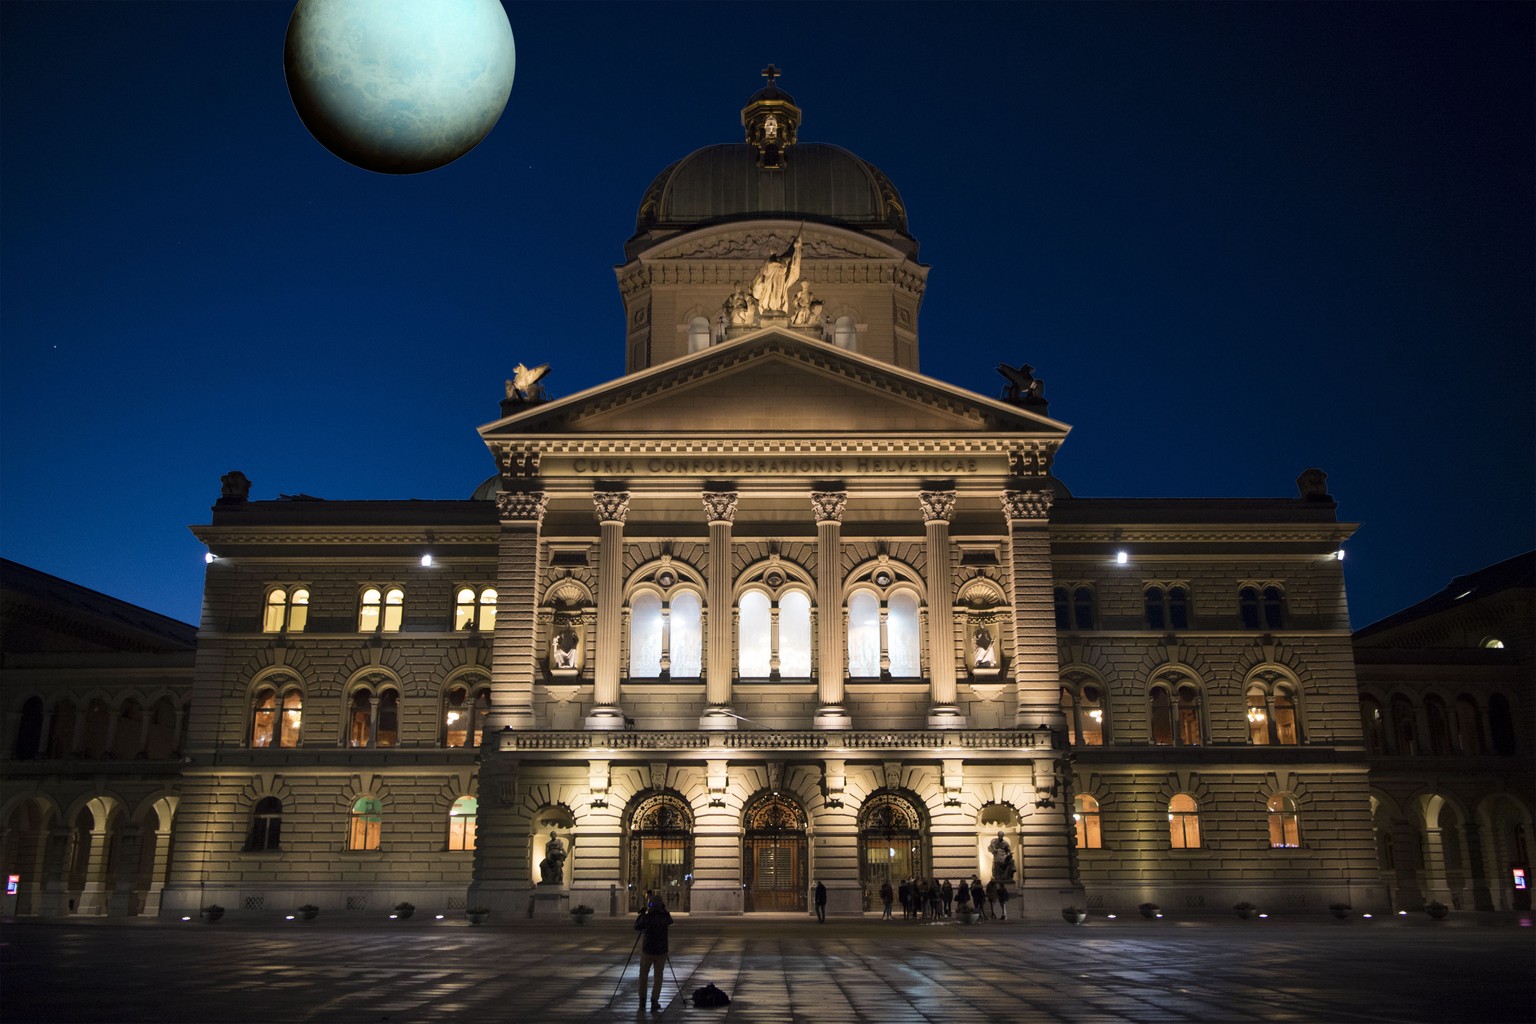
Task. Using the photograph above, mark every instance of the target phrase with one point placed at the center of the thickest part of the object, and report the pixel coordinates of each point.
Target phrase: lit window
(367, 823)
(475, 611)
(1272, 715)
(286, 612)
(795, 634)
(863, 634)
(1176, 716)
(1082, 703)
(373, 717)
(1085, 820)
(464, 715)
(1184, 822)
(1493, 643)
(666, 634)
(883, 636)
(276, 717)
(381, 610)
(1284, 825)
(266, 825)
(902, 636)
(774, 637)
(461, 823)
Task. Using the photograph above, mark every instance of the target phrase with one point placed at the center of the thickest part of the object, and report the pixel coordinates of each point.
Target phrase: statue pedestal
(550, 902)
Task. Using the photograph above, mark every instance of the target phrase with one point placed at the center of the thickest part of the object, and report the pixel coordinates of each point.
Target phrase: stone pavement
(1469, 968)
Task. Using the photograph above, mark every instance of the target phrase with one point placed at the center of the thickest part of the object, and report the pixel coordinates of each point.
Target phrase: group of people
(930, 899)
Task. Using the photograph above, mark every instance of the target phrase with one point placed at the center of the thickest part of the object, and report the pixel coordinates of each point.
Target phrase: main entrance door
(890, 844)
(775, 850)
(660, 851)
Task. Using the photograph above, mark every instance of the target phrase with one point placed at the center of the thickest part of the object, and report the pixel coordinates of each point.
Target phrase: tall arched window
(1272, 714)
(162, 730)
(1469, 722)
(1262, 608)
(902, 631)
(474, 609)
(863, 634)
(1438, 720)
(1085, 820)
(1082, 702)
(645, 635)
(1166, 608)
(698, 334)
(465, 705)
(1175, 711)
(1501, 725)
(277, 714)
(1075, 607)
(381, 610)
(1284, 825)
(373, 716)
(98, 721)
(1404, 729)
(1184, 822)
(1373, 723)
(266, 826)
(687, 635)
(285, 611)
(795, 634)
(366, 824)
(754, 639)
(461, 823)
(666, 636)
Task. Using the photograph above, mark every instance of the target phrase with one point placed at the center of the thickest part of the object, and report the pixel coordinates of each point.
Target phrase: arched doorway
(660, 850)
(890, 844)
(775, 854)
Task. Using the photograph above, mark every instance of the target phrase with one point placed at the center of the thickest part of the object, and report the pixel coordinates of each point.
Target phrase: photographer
(653, 922)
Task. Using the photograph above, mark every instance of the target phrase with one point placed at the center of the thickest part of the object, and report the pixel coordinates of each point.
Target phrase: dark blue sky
(1236, 240)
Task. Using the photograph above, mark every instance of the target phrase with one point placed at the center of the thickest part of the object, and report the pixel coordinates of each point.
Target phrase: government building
(772, 608)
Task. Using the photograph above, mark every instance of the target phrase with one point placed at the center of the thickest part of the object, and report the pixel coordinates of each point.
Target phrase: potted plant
(213, 912)
(1074, 915)
(477, 915)
(1245, 910)
(1339, 910)
(309, 911)
(967, 915)
(1436, 909)
(581, 914)
(1150, 911)
(404, 910)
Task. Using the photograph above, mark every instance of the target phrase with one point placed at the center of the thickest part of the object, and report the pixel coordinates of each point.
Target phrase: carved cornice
(518, 462)
(351, 533)
(758, 446)
(829, 505)
(1033, 459)
(611, 506)
(938, 506)
(770, 740)
(520, 506)
(1027, 504)
(720, 506)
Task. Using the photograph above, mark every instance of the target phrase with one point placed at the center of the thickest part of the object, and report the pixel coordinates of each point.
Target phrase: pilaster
(611, 508)
(938, 507)
(720, 512)
(517, 585)
(1035, 668)
(828, 507)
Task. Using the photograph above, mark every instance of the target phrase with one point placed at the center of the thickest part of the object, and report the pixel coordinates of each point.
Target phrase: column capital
(611, 506)
(938, 506)
(525, 506)
(829, 505)
(1027, 504)
(720, 506)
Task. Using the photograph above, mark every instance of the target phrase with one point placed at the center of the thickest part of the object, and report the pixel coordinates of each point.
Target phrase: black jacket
(654, 923)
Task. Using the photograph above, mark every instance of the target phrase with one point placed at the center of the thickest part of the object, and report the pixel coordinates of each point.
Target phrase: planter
(969, 917)
(477, 916)
(1150, 911)
(581, 919)
(1072, 915)
(1246, 911)
(212, 914)
(309, 913)
(1340, 911)
(1436, 910)
(404, 910)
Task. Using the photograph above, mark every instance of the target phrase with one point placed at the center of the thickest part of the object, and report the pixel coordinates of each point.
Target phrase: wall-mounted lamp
(1122, 557)
(426, 561)
(209, 558)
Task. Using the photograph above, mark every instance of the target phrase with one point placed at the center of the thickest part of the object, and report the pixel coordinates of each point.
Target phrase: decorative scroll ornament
(829, 505)
(1027, 504)
(612, 506)
(938, 506)
(720, 506)
(527, 506)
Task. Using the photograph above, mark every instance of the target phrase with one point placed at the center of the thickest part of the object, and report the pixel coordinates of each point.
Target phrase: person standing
(886, 896)
(947, 895)
(821, 903)
(978, 897)
(653, 923)
(1002, 899)
(963, 898)
(991, 892)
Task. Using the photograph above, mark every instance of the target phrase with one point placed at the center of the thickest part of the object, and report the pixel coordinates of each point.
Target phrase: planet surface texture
(399, 86)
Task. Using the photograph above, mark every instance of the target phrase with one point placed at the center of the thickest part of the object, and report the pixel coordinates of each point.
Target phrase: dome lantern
(772, 121)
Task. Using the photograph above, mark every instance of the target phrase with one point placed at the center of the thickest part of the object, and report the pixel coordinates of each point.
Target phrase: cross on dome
(770, 72)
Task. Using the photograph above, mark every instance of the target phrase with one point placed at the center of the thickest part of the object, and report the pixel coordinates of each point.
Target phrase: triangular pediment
(774, 382)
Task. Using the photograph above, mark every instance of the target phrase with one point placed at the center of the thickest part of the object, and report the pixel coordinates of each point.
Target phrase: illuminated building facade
(773, 607)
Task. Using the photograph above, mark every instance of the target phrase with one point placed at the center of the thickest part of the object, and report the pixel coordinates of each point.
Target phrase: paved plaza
(1469, 968)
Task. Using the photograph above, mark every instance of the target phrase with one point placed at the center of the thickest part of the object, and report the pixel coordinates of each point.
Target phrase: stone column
(611, 508)
(517, 595)
(1036, 673)
(53, 900)
(161, 837)
(938, 507)
(121, 902)
(93, 896)
(829, 506)
(720, 512)
(1408, 860)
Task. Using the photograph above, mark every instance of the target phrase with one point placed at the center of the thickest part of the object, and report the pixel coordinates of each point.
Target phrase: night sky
(1235, 240)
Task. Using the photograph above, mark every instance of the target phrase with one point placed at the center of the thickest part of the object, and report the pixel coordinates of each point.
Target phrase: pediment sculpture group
(769, 294)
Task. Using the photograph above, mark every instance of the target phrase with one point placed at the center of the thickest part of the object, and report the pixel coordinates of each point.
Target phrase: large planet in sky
(399, 86)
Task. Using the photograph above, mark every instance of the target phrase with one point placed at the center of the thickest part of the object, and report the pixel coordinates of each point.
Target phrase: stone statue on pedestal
(1003, 868)
(552, 867)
